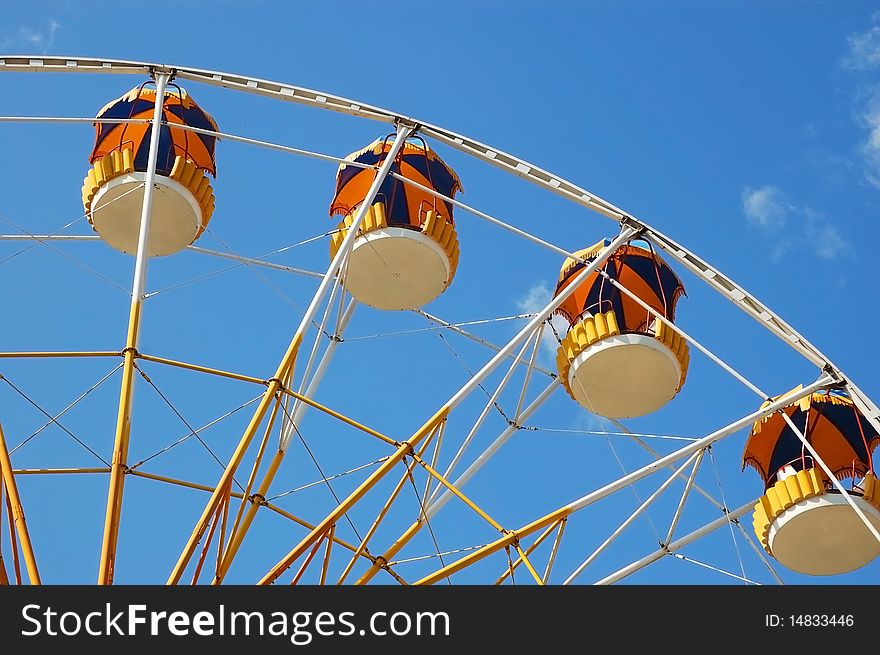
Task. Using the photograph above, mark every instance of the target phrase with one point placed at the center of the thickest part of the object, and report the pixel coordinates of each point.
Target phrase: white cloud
(828, 243)
(792, 227)
(864, 55)
(534, 300)
(765, 207)
(31, 39)
(864, 47)
(871, 146)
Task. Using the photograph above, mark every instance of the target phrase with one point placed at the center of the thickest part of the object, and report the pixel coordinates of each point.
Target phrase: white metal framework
(284, 396)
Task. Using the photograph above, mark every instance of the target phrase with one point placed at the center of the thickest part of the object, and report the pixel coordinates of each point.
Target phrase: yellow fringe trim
(803, 404)
(118, 162)
(586, 253)
(677, 344)
(121, 162)
(782, 495)
(435, 226)
(600, 326)
(871, 490)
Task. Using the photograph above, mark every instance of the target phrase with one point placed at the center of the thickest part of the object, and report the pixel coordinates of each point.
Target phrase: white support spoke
(677, 544)
(715, 358)
(826, 381)
(254, 261)
(493, 399)
(719, 505)
(494, 447)
(865, 405)
(531, 367)
(822, 383)
(870, 526)
(738, 296)
(226, 136)
(684, 495)
(625, 234)
(656, 455)
(608, 433)
(320, 334)
(551, 560)
(299, 408)
(714, 568)
(330, 276)
(623, 526)
(497, 222)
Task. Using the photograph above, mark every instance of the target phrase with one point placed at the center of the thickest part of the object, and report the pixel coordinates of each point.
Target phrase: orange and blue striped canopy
(404, 204)
(178, 108)
(833, 425)
(640, 270)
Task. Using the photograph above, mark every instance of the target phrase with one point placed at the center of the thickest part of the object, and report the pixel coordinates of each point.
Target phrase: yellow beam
(201, 369)
(221, 540)
(406, 448)
(236, 536)
(118, 464)
(384, 511)
(342, 417)
(305, 564)
(207, 544)
(413, 529)
(4, 578)
(404, 539)
(12, 540)
(283, 372)
(240, 533)
(234, 494)
(222, 488)
(17, 512)
(524, 558)
(326, 565)
(529, 551)
(508, 539)
(467, 501)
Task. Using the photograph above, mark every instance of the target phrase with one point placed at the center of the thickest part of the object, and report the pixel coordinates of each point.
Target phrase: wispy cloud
(863, 55)
(765, 207)
(790, 226)
(28, 38)
(534, 300)
(870, 119)
(864, 47)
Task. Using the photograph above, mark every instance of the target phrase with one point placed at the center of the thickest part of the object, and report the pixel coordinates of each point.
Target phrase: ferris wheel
(329, 368)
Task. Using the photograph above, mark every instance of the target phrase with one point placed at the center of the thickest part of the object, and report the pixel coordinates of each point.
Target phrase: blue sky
(748, 131)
